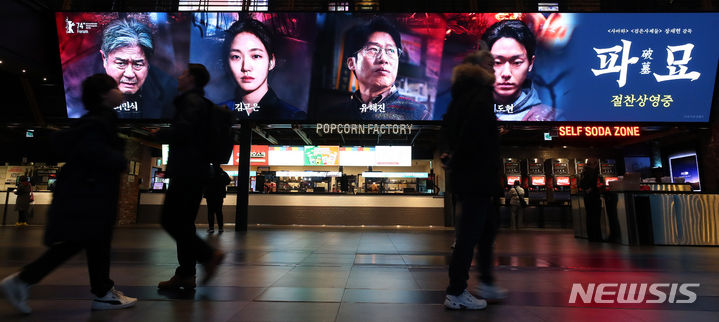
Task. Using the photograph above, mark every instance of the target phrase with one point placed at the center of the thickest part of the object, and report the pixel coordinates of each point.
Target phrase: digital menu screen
(286, 155)
(288, 66)
(393, 156)
(322, 155)
(357, 156)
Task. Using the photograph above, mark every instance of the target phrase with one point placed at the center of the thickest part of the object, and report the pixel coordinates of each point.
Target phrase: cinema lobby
(344, 120)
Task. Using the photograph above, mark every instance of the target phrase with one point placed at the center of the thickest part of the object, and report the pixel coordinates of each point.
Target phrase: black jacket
(271, 107)
(469, 129)
(153, 100)
(84, 204)
(187, 137)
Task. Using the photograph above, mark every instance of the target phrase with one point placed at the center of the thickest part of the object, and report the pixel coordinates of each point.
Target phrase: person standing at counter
(215, 193)
(84, 205)
(592, 201)
(188, 170)
(24, 198)
(470, 141)
(515, 205)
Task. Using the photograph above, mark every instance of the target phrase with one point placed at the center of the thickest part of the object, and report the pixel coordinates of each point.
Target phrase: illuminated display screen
(322, 155)
(158, 186)
(357, 156)
(286, 155)
(395, 174)
(685, 166)
(393, 156)
(631, 67)
(607, 180)
(512, 179)
(538, 181)
(562, 181)
(307, 174)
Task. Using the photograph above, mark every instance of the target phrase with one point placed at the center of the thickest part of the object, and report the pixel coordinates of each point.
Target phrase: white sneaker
(113, 300)
(491, 292)
(464, 301)
(16, 292)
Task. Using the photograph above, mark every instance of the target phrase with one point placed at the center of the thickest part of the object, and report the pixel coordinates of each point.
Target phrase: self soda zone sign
(599, 131)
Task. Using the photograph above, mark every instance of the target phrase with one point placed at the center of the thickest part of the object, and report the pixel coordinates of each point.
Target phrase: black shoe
(211, 265)
(178, 282)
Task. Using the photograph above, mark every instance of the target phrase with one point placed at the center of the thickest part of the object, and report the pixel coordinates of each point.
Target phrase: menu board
(357, 156)
(286, 155)
(397, 156)
(322, 155)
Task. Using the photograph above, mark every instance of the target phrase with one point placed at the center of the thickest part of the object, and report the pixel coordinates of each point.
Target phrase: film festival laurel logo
(72, 27)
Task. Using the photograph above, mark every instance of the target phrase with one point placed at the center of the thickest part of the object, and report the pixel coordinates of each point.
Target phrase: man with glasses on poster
(376, 48)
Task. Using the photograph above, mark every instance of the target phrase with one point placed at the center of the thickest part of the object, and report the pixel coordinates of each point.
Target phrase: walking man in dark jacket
(215, 193)
(84, 205)
(470, 141)
(188, 170)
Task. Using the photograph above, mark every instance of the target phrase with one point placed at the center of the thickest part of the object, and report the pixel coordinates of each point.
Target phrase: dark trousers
(593, 206)
(477, 227)
(182, 201)
(22, 216)
(214, 208)
(98, 263)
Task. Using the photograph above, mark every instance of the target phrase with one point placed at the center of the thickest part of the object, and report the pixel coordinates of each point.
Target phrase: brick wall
(130, 184)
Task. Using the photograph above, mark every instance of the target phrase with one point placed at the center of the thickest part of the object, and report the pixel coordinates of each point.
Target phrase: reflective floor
(336, 274)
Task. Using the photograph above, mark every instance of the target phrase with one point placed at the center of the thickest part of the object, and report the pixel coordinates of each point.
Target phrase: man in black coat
(188, 170)
(215, 193)
(470, 141)
(84, 205)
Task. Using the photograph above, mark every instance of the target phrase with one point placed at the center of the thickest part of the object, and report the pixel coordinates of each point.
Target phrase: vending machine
(512, 172)
(608, 171)
(561, 179)
(537, 179)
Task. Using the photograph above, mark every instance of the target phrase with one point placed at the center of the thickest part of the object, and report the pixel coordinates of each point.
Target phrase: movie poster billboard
(143, 52)
(306, 66)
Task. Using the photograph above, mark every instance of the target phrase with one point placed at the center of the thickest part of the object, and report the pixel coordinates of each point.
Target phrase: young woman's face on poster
(250, 62)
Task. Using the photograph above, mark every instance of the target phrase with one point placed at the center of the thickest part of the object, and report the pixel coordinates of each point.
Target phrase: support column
(243, 177)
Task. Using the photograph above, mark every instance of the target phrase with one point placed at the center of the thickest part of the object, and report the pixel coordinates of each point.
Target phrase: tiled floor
(336, 274)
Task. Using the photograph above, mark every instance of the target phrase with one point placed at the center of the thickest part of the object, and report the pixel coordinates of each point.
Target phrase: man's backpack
(220, 136)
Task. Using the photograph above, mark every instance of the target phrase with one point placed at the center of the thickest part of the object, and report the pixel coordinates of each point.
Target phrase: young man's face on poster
(511, 66)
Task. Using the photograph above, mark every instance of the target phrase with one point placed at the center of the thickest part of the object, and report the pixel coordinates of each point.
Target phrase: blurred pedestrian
(188, 170)
(470, 141)
(84, 206)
